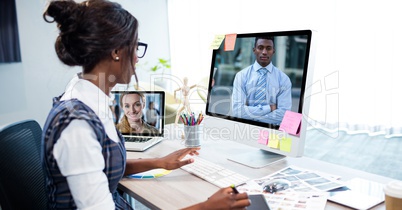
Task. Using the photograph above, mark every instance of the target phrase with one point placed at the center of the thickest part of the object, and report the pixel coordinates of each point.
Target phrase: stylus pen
(234, 189)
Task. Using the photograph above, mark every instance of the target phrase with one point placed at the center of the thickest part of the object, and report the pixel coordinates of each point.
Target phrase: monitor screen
(255, 85)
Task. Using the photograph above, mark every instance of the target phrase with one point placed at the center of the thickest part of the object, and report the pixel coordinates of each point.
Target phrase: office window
(9, 38)
(356, 84)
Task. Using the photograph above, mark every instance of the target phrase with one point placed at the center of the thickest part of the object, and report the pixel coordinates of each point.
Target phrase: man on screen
(262, 92)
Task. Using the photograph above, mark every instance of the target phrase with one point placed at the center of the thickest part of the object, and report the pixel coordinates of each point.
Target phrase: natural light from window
(357, 73)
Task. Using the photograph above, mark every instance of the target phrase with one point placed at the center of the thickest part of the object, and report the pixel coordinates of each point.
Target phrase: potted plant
(162, 64)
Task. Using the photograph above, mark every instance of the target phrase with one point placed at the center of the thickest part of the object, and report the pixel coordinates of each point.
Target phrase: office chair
(22, 179)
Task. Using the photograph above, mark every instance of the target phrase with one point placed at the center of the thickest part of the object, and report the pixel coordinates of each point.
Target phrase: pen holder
(193, 135)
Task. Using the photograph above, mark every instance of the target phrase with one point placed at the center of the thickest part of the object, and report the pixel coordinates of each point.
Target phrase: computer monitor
(235, 110)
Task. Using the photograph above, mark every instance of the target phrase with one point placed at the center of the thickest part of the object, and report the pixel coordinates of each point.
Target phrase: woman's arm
(79, 157)
(169, 162)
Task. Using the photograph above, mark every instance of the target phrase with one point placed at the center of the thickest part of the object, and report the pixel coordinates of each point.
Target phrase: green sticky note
(285, 144)
(216, 43)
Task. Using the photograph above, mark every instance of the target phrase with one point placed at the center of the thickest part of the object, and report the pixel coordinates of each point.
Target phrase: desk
(180, 189)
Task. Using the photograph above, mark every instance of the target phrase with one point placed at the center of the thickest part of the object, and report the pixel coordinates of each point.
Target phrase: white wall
(359, 46)
(358, 49)
(194, 23)
(27, 88)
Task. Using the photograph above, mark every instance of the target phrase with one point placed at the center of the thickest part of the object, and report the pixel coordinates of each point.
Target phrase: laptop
(140, 117)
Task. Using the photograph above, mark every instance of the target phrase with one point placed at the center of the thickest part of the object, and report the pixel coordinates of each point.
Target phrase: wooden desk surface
(180, 189)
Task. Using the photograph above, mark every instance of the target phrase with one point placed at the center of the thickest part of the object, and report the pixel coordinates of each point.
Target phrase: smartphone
(258, 202)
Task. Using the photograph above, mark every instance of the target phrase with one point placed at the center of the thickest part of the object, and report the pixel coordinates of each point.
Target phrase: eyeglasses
(141, 49)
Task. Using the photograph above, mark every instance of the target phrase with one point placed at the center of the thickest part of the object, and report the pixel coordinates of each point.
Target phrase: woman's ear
(115, 55)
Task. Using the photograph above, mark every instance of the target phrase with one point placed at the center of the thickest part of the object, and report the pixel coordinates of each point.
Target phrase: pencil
(202, 117)
(234, 189)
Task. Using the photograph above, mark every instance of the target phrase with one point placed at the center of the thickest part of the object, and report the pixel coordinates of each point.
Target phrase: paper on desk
(289, 200)
(297, 201)
(307, 190)
(303, 180)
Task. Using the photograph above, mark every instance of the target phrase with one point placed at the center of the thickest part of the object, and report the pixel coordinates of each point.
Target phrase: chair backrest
(22, 179)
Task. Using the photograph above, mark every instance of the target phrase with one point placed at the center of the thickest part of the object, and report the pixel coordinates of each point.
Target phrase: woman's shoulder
(149, 128)
(123, 128)
(73, 108)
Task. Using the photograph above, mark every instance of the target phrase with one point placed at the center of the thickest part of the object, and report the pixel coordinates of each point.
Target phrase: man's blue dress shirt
(279, 92)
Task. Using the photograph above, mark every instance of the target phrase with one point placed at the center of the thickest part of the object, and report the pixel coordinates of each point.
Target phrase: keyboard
(213, 173)
(137, 139)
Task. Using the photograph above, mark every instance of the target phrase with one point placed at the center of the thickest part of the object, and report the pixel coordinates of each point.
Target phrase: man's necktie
(260, 92)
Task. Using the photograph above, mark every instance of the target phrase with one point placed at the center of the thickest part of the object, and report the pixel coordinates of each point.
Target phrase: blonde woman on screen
(133, 121)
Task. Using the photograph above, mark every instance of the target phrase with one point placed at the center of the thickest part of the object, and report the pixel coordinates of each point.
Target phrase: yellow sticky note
(285, 144)
(273, 141)
(216, 43)
(230, 41)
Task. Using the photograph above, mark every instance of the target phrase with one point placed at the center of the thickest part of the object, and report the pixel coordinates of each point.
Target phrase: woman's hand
(226, 199)
(174, 160)
(223, 199)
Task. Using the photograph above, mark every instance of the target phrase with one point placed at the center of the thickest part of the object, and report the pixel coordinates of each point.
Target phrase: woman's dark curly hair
(91, 30)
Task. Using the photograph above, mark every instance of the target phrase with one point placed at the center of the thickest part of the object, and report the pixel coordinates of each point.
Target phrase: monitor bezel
(304, 78)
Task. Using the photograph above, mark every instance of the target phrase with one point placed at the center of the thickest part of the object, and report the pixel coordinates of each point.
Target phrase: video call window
(147, 107)
(290, 57)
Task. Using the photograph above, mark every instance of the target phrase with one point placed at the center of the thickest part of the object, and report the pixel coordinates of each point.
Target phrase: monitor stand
(256, 159)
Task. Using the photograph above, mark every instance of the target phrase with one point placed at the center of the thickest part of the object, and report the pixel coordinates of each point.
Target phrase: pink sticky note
(230, 41)
(263, 138)
(291, 123)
